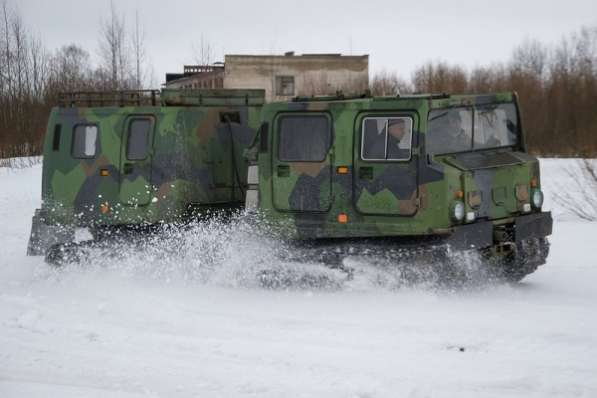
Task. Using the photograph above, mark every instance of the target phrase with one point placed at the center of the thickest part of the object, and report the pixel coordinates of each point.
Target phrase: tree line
(32, 77)
(557, 84)
(557, 88)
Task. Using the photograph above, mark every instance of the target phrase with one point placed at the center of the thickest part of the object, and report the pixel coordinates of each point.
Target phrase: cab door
(301, 162)
(135, 162)
(385, 177)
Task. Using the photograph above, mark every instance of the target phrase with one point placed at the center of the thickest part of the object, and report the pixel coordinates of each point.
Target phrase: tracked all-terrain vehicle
(130, 161)
(338, 175)
(413, 171)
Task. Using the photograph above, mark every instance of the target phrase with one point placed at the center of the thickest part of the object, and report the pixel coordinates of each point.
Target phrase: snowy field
(149, 327)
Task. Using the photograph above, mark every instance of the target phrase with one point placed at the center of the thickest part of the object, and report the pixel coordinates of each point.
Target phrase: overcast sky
(398, 35)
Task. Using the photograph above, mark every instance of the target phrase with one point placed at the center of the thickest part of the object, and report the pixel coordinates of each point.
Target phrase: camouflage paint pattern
(191, 162)
(388, 198)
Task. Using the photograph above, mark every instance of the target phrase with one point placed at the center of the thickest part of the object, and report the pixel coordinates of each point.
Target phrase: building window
(284, 85)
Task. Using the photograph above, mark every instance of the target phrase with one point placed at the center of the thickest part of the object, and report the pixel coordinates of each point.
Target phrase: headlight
(458, 211)
(537, 199)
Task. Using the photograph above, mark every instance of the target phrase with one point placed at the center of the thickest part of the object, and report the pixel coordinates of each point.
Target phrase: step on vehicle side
(415, 170)
(129, 160)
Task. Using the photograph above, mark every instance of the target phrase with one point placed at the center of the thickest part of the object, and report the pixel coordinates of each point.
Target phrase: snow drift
(188, 319)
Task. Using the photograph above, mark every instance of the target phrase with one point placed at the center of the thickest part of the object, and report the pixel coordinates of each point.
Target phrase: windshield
(453, 130)
(495, 126)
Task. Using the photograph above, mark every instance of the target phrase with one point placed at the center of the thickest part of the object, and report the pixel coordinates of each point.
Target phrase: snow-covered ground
(147, 327)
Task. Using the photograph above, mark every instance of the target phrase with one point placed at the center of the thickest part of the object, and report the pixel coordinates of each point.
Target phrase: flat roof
(297, 56)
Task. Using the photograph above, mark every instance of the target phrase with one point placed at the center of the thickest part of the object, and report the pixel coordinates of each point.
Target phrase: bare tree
(580, 199)
(20, 55)
(138, 45)
(385, 83)
(440, 77)
(40, 65)
(5, 55)
(530, 58)
(203, 52)
(22, 85)
(70, 69)
(484, 79)
(112, 49)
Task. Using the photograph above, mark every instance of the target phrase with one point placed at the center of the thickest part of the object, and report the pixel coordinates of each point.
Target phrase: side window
(84, 141)
(304, 138)
(374, 139)
(137, 147)
(386, 138)
(56, 138)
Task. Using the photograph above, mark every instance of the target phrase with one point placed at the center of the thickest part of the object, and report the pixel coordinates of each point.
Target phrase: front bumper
(481, 233)
(538, 225)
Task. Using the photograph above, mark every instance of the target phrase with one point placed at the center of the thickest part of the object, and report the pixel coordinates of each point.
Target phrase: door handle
(366, 173)
(283, 170)
(127, 168)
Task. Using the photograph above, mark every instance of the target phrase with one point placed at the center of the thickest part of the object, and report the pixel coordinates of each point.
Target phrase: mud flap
(537, 225)
(43, 236)
(472, 236)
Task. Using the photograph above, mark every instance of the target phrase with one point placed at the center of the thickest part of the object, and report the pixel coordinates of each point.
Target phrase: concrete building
(282, 76)
(197, 76)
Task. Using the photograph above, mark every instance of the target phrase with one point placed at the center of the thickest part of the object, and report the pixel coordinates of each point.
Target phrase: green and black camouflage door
(136, 154)
(301, 163)
(385, 177)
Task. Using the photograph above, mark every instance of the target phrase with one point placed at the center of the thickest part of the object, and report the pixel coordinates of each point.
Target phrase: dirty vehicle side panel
(361, 191)
(144, 165)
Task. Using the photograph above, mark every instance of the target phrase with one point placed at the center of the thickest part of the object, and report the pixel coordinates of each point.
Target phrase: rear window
(465, 129)
(304, 138)
(137, 147)
(84, 141)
